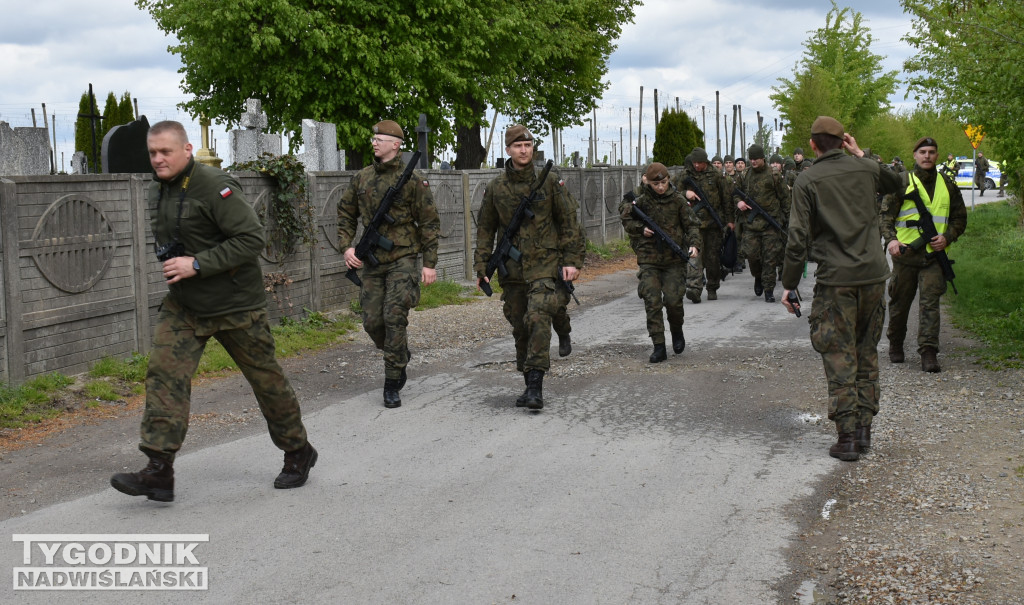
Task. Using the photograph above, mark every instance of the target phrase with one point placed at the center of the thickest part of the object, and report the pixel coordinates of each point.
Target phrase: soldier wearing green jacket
(391, 288)
(550, 242)
(209, 240)
(708, 270)
(915, 273)
(834, 223)
(761, 243)
(662, 273)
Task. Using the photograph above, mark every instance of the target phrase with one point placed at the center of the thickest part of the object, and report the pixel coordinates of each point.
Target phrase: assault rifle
(756, 209)
(658, 231)
(567, 284)
(704, 202)
(926, 226)
(505, 250)
(372, 238)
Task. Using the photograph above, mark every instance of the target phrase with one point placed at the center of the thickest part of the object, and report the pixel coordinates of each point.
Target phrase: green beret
(517, 132)
(389, 128)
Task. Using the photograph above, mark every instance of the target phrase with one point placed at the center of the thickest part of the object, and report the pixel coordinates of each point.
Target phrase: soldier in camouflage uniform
(662, 274)
(718, 164)
(762, 244)
(560, 322)
(211, 240)
(835, 224)
(393, 287)
(553, 238)
(913, 270)
(708, 268)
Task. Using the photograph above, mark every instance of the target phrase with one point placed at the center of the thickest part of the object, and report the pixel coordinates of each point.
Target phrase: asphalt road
(680, 482)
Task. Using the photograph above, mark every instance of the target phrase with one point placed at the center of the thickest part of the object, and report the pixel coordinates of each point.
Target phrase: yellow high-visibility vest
(937, 204)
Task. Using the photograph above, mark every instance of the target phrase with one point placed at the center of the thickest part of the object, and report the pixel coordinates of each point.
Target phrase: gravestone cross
(93, 117)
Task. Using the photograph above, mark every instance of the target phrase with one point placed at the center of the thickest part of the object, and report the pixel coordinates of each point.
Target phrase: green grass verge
(613, 249)
(989, 271)
(443, 292)
(32, 401)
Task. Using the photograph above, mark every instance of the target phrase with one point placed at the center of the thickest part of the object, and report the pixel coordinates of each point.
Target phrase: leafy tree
(969, 53)
(125, 108)
(111, 117)
(84, 132)
(675, 138)
(837, 76)
(354, 62)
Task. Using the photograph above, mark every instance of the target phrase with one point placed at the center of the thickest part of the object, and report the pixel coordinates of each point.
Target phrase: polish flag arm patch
(225, 192)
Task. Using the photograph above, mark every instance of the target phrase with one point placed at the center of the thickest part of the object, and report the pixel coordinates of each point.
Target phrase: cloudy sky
(51, 50)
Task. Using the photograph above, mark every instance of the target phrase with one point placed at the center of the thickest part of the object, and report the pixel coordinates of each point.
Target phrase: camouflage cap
(775, 159)
(827, 125)
(798, 151)
(928, 142)
(728, 158)
(389, 128)
(699, 155)
(656, 172)
(517, 132)
(756, 152)
(717, 158)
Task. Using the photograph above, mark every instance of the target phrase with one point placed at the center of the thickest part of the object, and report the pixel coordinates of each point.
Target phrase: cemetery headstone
(125, 150)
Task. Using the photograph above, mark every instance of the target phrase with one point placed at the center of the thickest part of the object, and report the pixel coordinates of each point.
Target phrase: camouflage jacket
(770, 192)
(672, 214)
(719, 193)
(553, 238)
(416, 225)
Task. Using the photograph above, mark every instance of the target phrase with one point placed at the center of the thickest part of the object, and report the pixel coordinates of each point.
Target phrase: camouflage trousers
(662, 287)
(763, 250)
(846, 325)
(389, 291)
(530, 310)
(179, 339)
(708, 262)
(904, 285)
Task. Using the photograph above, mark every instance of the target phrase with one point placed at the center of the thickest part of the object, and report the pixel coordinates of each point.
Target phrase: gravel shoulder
(934, 514)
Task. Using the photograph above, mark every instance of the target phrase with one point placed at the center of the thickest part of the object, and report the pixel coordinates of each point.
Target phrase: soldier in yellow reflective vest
(913, 268)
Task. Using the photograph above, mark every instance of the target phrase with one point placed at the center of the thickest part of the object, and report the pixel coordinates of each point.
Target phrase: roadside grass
(444, 292)
(613, 249)
(989, 271)
(114, 379)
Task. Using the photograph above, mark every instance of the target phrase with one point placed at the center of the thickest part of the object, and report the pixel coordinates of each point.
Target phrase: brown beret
(656, 172)
(517, 132)
(389, 128)
(827, 125)
(698, 155)
(926, 142)
(756, 152)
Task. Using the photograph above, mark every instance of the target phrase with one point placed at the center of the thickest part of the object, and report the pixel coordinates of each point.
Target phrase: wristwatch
(195, 264)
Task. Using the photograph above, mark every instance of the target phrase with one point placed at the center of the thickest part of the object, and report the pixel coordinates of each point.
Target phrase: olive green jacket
(220, 229)
(835, 222)
(416, 226)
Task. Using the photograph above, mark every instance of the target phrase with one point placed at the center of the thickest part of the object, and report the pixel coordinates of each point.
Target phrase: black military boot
(391, 388)
(712, 294)
(863, 435)
(758, 288)
(896, 352)
(564, 345)
(846, 449)
(521, 400)
(659, 354)
(929, 361)
(296, 467)
(535, 389)
(155, 482)
(769, 296)
(694, 296)
(678, 342)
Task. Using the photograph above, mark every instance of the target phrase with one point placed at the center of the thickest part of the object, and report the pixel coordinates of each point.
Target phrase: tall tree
(969, 52)
(353, 62)
(675, 138)
(837, 76)
(84, 131)
(125, 108)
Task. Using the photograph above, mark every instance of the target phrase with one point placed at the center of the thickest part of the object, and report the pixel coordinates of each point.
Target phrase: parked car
(965, 175)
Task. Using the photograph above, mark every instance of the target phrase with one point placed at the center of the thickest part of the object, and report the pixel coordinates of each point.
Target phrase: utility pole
(639, 126)
(743, 130)
(629, 152)
(655, 111)
(718, 131)
(734, 130)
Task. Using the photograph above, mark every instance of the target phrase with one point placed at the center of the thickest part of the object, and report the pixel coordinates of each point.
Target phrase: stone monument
(23, 150)
(251, 142)
(321, 141)
(124, 148)
(205, 155)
